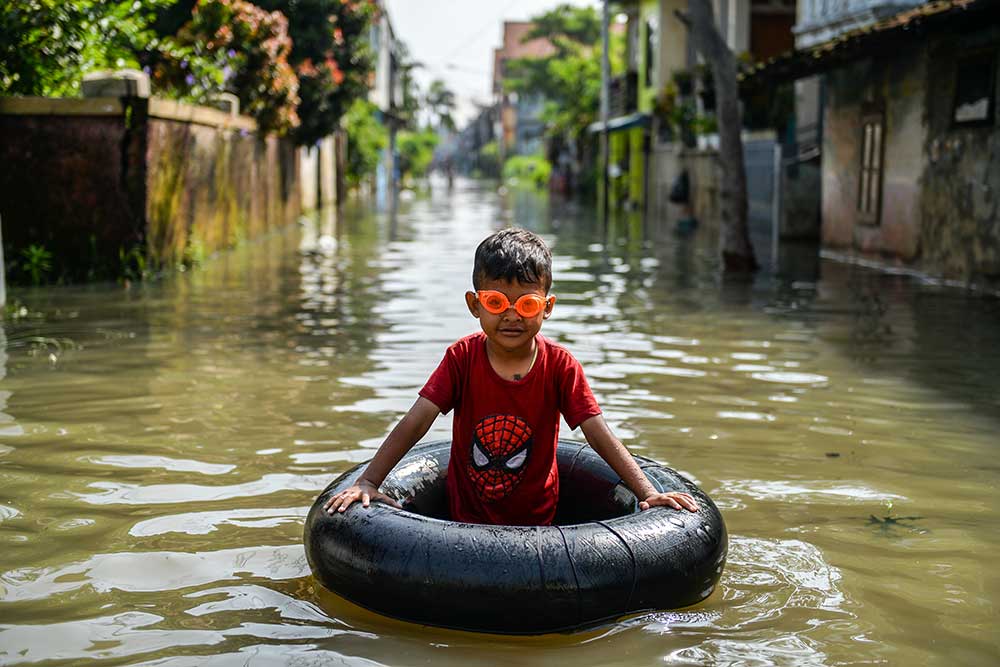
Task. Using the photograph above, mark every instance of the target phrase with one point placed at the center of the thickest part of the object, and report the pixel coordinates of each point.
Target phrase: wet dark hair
(513, 254)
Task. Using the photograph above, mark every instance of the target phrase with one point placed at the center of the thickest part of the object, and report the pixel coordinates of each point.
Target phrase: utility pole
(605, 110)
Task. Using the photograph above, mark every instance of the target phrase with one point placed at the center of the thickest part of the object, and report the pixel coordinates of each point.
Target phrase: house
(658, 81)
(519, 128)
(387, 95)
(909, 130)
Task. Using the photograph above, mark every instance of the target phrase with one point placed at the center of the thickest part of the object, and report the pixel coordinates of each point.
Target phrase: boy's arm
(614, 452)
(407, 432)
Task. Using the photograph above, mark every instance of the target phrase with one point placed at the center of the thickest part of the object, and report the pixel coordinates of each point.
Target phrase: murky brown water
(159, 447)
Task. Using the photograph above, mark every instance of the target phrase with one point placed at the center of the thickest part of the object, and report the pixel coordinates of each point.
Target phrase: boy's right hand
(364, 491)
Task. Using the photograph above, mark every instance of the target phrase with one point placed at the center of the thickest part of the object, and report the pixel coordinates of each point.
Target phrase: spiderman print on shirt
(500, 448)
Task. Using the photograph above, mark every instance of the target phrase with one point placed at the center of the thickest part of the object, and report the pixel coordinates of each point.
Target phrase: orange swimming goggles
(527, 305)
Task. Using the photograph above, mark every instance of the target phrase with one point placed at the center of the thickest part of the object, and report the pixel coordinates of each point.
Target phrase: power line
(490, 24)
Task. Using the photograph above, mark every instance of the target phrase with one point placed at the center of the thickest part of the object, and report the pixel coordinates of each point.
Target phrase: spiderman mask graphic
(500, 448)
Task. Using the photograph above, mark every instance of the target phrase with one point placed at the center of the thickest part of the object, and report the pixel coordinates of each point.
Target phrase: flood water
(160, 445)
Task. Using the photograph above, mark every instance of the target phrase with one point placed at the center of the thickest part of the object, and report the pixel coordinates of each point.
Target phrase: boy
(507, 385)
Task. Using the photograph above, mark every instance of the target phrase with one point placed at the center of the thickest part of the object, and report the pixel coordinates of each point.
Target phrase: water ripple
(136, 494)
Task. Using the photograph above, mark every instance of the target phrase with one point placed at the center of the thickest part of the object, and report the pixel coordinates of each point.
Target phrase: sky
(454, 40)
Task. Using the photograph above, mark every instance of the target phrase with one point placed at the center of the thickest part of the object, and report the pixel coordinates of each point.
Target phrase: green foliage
(489, 159)
(366, 139)
(416, 151)
(570, 78)
(294, 64)
(530, 169)
(441, 103)
(46, 46)
(331, 55)
(248, 46)
(132, 263)
(36, 262)
(409, 106)
(679, 114)
(566, 26)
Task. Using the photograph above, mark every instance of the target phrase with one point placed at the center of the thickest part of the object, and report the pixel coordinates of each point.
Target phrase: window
(974, 89)
(870, 190)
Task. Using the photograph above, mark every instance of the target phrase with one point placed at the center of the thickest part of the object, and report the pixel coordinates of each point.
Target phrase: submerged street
(161, 443)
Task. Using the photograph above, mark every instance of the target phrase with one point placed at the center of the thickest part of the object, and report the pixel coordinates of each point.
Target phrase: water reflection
(156, 473)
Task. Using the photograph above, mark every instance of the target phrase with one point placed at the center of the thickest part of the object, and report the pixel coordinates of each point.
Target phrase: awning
(637, 119)
(873, 39)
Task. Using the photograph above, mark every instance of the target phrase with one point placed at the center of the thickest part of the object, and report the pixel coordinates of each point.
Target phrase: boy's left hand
(675, 499)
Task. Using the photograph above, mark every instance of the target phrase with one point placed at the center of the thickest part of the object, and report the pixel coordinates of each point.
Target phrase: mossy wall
(960, 198)
(73, 185)
(210, 188)
(941, 180)
(110, 187)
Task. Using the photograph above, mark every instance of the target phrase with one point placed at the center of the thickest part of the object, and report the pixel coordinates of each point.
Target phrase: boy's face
(510, 330)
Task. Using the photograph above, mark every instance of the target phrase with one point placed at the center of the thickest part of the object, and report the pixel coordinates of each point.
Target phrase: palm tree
(441, 103)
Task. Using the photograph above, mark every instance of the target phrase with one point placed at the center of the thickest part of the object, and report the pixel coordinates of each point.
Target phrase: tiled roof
(513, 47)
(514, 33)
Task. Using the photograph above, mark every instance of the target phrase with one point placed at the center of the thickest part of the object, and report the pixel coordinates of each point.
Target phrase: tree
(193, 51)
(737, 251)
(409, 107)
(366, 139)
(416, 152)
(569, 79)
(331, 55)
(248, 45)
(46, 46)
(441, 103)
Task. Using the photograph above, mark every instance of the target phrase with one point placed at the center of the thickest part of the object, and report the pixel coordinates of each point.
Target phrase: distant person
(507, 385)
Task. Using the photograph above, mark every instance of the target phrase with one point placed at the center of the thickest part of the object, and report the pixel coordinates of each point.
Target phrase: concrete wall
(209, 187)
(666, 163)
(673, 42)
(801, 185)
(309, 177)
(327, 171)
(74, 185)
(897, 88)
(960, 198)
(941, 181)
(98, 181)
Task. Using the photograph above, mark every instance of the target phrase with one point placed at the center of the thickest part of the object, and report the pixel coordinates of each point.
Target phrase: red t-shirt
(504, 434)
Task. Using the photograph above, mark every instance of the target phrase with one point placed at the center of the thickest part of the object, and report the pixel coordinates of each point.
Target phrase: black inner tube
(603, 559)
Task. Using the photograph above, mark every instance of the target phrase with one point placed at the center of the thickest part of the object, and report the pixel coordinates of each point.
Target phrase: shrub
(489, 159)
(366, 139)
(532, 169)
(248, 46)
(416, 151)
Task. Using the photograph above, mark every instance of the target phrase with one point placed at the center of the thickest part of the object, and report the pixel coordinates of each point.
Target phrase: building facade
(910, 138)
(519, 129)
(662, 100)
(387, 95)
